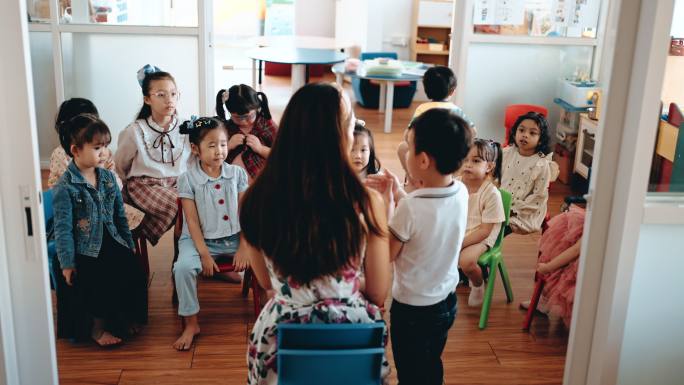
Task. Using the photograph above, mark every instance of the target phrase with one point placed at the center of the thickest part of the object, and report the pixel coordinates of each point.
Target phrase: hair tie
(361, 123)
(188, 125)
(146, 70)
(224, 96)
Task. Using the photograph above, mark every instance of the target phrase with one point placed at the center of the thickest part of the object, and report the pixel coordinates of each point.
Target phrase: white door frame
(203, 32)
(26, 324)
(633, 76)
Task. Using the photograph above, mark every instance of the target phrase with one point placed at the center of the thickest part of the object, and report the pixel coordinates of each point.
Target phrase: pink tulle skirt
(564, 231)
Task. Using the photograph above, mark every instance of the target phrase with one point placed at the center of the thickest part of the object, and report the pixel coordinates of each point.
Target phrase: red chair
(513, 111)
(248, 280)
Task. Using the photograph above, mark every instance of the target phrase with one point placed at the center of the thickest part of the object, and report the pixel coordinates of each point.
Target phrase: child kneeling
(210, 191)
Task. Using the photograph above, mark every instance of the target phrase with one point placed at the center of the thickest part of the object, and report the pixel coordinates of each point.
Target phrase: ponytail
(220, 112)
(263, 104)
(496, 173)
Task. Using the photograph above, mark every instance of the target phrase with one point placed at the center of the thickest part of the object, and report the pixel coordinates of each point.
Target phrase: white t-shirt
(431, 222)
(485, 206)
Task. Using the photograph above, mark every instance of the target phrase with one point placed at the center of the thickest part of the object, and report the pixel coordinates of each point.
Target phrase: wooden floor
(501, 354)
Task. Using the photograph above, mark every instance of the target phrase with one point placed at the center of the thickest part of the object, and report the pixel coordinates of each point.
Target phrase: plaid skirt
(156, 197)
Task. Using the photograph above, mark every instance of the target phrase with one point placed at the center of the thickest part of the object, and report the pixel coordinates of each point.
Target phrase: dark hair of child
(373, 166)
(490, 151)
(72, 107)
(241, 100)
(439, 82)
(82, 129)
(146, 110)
(444, 136)
(198, 129)
(544, 146)
(286, 223)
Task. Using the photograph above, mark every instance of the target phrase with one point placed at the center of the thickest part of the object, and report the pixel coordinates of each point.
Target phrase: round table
(300, 58)
(386, 87)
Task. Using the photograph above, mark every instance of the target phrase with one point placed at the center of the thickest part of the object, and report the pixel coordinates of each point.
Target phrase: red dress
(564, 231)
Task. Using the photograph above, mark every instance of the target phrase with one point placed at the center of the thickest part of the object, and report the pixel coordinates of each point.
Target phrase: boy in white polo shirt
(428, 227)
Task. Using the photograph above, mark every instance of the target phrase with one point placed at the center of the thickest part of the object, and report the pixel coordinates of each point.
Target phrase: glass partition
(103, 68)
(166, 13)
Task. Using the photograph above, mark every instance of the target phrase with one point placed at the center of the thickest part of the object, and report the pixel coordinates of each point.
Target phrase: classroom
(341, 192)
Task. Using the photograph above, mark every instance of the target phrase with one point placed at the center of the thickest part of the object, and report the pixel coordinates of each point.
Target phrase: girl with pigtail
(250, 127)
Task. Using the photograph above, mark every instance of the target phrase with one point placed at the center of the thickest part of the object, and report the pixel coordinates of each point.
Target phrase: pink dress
(564, 231)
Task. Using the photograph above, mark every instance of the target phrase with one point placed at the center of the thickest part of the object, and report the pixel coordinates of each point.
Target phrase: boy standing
(428, 227)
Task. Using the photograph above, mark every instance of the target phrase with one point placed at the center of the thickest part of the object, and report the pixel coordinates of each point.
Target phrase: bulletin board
(552, 18)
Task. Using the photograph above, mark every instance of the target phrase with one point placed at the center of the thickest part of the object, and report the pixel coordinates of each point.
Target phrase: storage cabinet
(586, 139)
(431, 33)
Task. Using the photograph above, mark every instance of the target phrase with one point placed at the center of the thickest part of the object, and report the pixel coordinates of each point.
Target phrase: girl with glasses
(152, 153)
(250, 126)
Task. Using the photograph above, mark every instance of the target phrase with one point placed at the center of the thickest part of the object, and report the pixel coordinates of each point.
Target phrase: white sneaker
(476, 295)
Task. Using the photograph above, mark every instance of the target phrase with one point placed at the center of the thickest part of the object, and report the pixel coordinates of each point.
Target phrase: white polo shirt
(431, 222)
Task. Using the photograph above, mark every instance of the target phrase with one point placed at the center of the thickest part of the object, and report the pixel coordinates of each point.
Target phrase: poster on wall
(499, 12)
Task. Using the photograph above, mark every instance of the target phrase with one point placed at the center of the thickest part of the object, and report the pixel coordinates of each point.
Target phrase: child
(527, 172)
(152, 153)
(209, 192)
(363, 151)
(427, 229)
(93, 241)
(59, 160)
(306, 238)
(559, 250)
(480, 174)
(440, 85)
(250, 127)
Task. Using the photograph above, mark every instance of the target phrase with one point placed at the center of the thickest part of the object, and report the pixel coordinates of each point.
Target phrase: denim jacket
(82, 211)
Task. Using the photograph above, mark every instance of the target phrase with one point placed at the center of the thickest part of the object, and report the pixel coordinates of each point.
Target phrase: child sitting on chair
(209, 191)
(527, 172)
(480, 173)
(363, 156)
(559, 250)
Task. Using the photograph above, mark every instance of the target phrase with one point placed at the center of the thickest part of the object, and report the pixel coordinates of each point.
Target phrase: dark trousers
(419, 334)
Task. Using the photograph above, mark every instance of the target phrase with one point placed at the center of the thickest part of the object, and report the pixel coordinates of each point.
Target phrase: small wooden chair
(224, 266)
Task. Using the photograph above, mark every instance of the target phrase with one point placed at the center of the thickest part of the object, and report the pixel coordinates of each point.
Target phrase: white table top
(301, 41)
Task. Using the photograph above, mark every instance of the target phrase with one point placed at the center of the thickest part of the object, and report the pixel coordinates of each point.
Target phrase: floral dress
(329, 299)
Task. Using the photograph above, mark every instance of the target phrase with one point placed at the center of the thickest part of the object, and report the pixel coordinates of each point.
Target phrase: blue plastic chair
(331, 354)
(368, 94)
(49, 214)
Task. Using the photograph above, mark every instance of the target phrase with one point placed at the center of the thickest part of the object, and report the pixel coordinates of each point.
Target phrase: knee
(183, 268)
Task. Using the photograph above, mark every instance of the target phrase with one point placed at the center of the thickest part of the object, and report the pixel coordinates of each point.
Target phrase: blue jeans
(419, 334)
(189, 265)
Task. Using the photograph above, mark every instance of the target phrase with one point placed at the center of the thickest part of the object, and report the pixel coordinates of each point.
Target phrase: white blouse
(146, 149)
(527, 178)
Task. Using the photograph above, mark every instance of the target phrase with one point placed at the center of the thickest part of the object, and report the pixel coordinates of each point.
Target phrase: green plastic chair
(493, 260)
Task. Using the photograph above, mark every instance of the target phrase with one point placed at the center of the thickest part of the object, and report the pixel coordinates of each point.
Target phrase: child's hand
(377, 182)
(209, 266)
(254, 143)
(544, 268)
(235, 140)
(240, 261)
(69, 276)
(109, 164)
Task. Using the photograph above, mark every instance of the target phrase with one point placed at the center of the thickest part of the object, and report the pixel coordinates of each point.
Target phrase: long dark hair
(544, 145)
(310, 226)
(72, 107)
(146, 110)
(490, 151)
(373, 166)
(242, 99)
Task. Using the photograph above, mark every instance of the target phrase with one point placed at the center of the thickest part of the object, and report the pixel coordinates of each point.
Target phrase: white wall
(315, 18)
(678, 19)
(398, 18)
(502, 74)
(44, 93)
(653, 344)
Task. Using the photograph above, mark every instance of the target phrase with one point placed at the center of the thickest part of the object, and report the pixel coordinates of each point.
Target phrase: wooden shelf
(442, 53)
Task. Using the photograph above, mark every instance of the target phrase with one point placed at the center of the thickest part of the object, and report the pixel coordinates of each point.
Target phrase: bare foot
(106, 339)
(184, 342)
